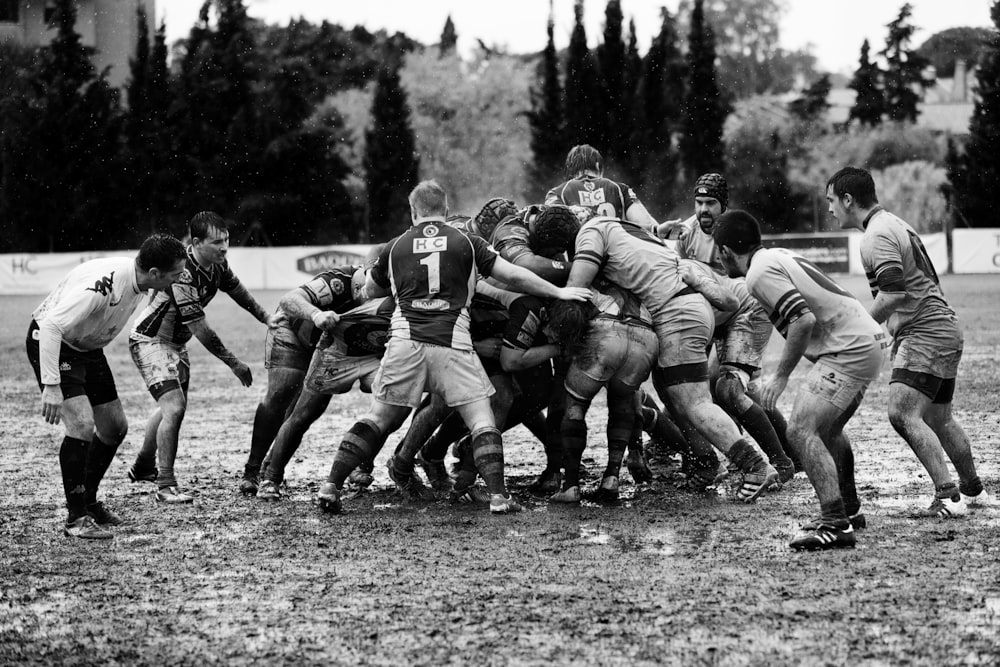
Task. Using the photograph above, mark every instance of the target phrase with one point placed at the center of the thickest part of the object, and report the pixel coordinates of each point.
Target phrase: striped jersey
(432, 270)
(361, 331)
(632, 258)
(329, 290)
(602, 196)
(168, 313)
(696, 244)
(895, 261)
(788, 286)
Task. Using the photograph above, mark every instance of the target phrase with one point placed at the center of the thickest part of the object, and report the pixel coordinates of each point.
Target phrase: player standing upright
(927, 345)
(431, 270)
(65, 346)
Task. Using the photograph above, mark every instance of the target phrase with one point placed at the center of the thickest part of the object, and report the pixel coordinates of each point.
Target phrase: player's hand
(52, 400)
(575, 294)
(325, 320)
(773, 388)
(242, 371)
(688, 275)
(668, 227)
(275, 320)
(488, 348)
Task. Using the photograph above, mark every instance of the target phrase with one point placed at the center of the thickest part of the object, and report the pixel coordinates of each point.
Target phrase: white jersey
(86, 310)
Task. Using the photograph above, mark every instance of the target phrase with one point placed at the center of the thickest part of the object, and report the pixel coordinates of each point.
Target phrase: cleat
(329, 498)
(858, 521)
(637, 464)
(436, 472)
(815, 537)
(86, 528)
(548, 482)
(984, 500)
(360, 479)
(136, 474)
(171, 495)
(268, 490)
(503, 504)
(570, 495)
(608, 490)
(248, 486)
(102, 516)
(753, 484)
(472, 495)
(943, 508)
(409, 485)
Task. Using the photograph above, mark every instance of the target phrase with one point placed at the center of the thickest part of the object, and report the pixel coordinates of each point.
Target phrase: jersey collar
(877, 209)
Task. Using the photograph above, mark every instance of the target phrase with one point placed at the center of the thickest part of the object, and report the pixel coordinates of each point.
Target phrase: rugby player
(828, 326)
(927, 341)
(694, 235)
(65, 345)
(431, 270)
(158, 346)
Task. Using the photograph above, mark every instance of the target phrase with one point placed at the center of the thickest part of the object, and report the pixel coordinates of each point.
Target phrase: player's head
(162, 258)
(358, 280)
(554, 231)
(428, 200)
(737, 235)
(491, 214)
(850, 193)
(209, 234)
(569, 322)
(583, 158)
(711, 198)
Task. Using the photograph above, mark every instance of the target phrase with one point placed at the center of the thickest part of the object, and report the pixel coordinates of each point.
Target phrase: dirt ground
(662, 577)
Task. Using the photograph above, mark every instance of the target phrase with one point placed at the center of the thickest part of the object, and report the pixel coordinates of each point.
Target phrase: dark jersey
(362, 331)
(169, 312)
(432, 270)
(524, 327)
(602, 196)
(329, 290)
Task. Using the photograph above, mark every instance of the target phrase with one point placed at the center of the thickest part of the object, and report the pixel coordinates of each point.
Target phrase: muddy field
(662, 577)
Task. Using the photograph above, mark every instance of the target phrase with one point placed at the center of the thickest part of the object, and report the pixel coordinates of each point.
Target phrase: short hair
(203, 221)
(581, 158)
(555, 227)
(713, 185)
(160, 251)
(738, 230)
(492, 214)
(371, 257)
(569, 322)
(857, 182)
(428, 198)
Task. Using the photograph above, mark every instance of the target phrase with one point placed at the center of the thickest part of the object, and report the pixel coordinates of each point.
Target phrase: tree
(705, 110)
(611, 59)
(975, 172)
(390, 161)
(943, 49)
(904, 69)
(449, 38)
(869, 103)
(548, 146)
(813, 103)
(585, 111)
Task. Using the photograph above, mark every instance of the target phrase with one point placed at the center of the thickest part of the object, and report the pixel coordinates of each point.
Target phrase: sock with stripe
(361, 443)
(73, 465)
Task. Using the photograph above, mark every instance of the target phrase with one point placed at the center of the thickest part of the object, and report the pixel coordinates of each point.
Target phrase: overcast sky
(832, 29)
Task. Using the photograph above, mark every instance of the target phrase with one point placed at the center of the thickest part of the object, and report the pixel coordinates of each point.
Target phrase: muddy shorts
(163, 366)
(409, 368)
(283, 349)
(332, 372)
(80, 373)
(927, 358)
(844, 384)
(743, 341)
(615, 350)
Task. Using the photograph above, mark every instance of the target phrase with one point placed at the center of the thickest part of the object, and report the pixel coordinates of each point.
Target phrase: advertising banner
(976, 250)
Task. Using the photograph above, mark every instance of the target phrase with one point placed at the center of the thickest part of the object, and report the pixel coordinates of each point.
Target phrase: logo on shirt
(65, 366)
(592, 198)
(589, 185)
(436, 244)
(337, 286)
(431, 230)
(104, 285)
(429, 304)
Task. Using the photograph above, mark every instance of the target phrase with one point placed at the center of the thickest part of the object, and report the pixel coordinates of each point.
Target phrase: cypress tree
(390, 160)
(449, 38)
(585, 109)
(904, 69)
(611, 58)
(545, 120)
(705, 110)
(869, 103)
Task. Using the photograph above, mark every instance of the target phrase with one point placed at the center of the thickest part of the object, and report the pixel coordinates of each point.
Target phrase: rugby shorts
(612, 350)
(283, 349)
(927, 357)
(162, 365)
(409, 368)
(80, 373)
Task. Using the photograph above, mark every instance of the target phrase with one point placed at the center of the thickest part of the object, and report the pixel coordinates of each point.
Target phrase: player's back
(602, 196)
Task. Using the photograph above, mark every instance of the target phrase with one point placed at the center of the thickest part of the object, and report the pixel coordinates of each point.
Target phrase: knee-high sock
(755, 420)
(361, 443)
(487, 448)
(574, 440)
(265, 428)
(624, 431)
(73, 465)
(99, 458)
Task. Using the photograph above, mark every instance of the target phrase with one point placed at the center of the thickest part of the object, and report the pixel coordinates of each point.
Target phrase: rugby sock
(624, 431)
(972, 487)
(73, 465)
(487, 448)
(574, 439)
(451, 430)
(465, 470)
(265, 429)
(949, 490)
(833, 513)
(361, 443)
(745, 457)
(553, 437)
(99, 458)
(166, 477)
(781, 428)
(663, 430)
(755, 420)
(845, 479)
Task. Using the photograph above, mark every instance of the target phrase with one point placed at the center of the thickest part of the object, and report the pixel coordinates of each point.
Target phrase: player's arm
(526, 281)
(671, 229)
(373, 289)
(637, 213)
(214, 344)
(301, 305)
(552, 270)
(514, 359)
(704, 282)
(891, 292)
(60, 318)
(796, 341)
(244, 299)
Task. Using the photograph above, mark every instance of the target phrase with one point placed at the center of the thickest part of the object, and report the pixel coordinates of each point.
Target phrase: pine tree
(705, 110)
(585, 110)
(449, 38)
(611, 59)
(974, 173)
(904, 69)
(632, 164)
(548, 147)
(390, 161)
(813, 103)
(869, 103)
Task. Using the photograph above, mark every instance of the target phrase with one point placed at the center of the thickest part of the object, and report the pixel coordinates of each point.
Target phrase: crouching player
(824, 323)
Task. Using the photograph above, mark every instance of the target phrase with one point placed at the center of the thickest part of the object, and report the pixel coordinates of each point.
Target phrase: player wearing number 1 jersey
(927, 343)
(828, 326)
(431, 270)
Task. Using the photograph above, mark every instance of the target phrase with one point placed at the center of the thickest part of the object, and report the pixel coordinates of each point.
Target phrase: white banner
(976, 250)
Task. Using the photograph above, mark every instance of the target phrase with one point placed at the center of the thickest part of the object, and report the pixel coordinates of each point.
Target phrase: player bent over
(431, 270)
(65, 346)
(927, 341)
(827, 325)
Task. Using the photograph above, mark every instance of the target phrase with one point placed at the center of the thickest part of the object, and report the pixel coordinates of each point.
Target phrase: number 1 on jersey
(433, 264)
